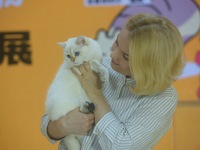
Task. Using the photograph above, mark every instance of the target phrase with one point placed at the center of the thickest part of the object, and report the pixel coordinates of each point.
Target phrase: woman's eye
(68, 56)
(77, 53)
(125, 57)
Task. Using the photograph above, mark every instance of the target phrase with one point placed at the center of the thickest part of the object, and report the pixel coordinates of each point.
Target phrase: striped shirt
(134, 123)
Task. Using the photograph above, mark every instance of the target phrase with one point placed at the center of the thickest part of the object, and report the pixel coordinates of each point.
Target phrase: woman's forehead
(123, 40)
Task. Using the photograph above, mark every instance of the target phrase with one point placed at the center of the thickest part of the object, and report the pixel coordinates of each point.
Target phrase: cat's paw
(101, 70)
(87, 107)
(104, 75)
(95, 66)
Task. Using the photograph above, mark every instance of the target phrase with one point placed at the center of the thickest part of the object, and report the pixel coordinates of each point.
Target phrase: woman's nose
(114, 53)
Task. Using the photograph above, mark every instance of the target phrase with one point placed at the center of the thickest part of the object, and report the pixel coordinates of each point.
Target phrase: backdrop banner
(30, 55)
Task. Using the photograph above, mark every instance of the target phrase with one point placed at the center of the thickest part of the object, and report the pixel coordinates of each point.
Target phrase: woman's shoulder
(169, 94)
(165, 97)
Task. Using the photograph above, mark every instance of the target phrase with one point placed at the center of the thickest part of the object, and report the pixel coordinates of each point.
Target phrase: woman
(136, 109)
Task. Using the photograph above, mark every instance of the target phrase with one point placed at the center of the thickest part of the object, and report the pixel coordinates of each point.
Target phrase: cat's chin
(74, 64)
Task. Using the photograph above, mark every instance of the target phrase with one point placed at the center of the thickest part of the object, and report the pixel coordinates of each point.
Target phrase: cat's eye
(68, 56)
(77, 53)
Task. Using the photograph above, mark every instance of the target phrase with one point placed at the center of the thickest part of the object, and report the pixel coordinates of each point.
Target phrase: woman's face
(120, 53)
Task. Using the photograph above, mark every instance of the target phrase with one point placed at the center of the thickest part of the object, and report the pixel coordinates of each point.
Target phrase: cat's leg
(97, 67)
(72, 142)
(84, 109)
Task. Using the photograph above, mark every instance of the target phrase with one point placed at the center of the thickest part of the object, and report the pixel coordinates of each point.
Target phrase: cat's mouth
(75, 63)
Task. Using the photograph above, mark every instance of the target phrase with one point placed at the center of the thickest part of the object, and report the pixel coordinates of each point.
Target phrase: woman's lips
(114, 62)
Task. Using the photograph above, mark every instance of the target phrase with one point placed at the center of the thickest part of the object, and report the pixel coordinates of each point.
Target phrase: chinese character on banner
(15, 47)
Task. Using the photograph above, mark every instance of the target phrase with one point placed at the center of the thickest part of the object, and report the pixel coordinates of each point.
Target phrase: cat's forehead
(71, 42)
(72, 45)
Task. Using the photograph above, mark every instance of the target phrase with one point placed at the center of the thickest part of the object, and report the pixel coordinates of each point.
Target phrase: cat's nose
(72, 59)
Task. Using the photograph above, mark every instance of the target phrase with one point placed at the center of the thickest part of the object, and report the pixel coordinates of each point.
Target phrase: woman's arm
(74, 122)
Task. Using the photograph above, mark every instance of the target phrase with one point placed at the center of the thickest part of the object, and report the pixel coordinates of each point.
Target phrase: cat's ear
(62, 44)
(81, 40)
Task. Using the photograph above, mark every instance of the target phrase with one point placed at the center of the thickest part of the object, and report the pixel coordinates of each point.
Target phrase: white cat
(66, 92)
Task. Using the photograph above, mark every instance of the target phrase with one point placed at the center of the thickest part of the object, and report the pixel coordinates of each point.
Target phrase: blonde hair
(155, 53)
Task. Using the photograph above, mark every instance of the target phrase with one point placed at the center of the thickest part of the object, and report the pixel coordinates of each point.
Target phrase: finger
(92, 122)
(82, 69)
(87, 66)
(76, 74)
(89, 116)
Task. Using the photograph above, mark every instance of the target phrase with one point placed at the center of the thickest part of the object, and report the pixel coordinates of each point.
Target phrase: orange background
(23, 88)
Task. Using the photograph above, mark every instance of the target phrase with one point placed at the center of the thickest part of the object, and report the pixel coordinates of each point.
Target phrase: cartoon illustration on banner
(188, 24)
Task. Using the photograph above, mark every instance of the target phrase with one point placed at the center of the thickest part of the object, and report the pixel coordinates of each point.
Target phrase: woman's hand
(89, 80)
(92, 86)
(74, 122)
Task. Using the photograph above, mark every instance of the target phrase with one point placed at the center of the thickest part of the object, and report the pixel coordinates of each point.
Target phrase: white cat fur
(66, 93)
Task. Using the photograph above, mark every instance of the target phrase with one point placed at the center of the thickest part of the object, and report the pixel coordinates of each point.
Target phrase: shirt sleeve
(142, 131)
(43, 128)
